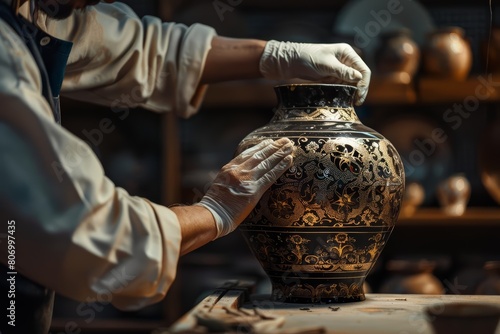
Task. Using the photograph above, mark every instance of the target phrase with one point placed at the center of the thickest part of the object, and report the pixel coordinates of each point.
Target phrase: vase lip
(316, 84)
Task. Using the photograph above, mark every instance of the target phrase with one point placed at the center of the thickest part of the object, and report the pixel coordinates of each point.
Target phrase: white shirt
(75, 231)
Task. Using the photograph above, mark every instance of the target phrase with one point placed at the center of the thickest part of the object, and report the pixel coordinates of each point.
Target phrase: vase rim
(315, 84)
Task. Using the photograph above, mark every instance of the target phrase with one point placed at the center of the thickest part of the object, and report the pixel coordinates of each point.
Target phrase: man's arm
(197, 226)
(232, 59)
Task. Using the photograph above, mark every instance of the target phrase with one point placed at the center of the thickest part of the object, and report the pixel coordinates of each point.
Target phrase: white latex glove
(241, 183)
(329, 63)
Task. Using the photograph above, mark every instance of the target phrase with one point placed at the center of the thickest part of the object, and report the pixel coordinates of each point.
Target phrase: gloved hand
(241, 183)
(330, 63)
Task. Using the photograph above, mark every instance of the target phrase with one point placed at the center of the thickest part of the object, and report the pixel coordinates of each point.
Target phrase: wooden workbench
(379, 313)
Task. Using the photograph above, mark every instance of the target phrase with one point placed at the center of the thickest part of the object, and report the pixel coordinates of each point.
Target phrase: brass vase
(318, 231)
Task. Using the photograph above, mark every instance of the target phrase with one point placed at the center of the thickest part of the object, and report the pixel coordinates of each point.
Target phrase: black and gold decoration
(320, 228)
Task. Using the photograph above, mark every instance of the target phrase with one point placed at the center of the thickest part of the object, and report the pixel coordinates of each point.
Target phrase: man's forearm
(232, 59)
(197, 226)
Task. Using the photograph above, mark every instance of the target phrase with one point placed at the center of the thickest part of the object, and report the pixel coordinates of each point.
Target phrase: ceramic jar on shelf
(491, 284)
(453, 194)
(412, 277)
(447, 54)
(490, 51)
(489, 163)
(318, 231)
(413, 198)
(397, 57)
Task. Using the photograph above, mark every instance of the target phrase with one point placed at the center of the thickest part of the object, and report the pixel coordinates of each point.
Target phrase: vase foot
(306, 293)
(326, 300)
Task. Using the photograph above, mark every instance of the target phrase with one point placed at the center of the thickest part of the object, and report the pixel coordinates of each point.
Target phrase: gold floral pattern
(338, 252)
(342, 182)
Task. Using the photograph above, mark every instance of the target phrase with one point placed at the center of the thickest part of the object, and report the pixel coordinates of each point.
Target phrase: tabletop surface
(234, 309)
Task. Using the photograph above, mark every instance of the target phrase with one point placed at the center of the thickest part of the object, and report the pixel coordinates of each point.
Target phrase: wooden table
(379, 313)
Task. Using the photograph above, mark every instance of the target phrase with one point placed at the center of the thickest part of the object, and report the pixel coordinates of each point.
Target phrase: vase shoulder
(316, 129)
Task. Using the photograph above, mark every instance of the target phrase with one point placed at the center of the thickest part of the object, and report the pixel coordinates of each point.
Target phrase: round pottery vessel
(318, 231)
(414, 197)
(397, 57)
(447, 54)
(412, 277)
(490, 50)
(453, 195)
(489, 164)
(491, 285)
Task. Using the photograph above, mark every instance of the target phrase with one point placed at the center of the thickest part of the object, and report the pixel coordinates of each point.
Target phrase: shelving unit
(260, 93)
(473, 217)
(424, 90)
(483, 87)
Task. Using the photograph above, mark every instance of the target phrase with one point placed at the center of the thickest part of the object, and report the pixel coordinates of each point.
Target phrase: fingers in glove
(249, 152)
(265, 152)
(276, 171)
(345, 74)
(352, 59)
(363, 84)
(279, 160)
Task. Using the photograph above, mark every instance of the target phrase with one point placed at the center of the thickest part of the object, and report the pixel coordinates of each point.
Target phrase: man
(75, 232)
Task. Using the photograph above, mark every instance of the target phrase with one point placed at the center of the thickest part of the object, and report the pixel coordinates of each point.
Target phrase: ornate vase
(318, 231)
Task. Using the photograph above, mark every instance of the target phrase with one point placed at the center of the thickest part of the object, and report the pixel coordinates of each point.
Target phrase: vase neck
(315, 102)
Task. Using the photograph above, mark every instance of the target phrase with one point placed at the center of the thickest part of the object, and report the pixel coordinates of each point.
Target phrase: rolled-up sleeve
(76, 233)
(123, 61)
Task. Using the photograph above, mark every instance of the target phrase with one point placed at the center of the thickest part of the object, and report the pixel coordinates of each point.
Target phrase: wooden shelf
(388, 92)
(260, 93)
(474, 216)
(474, 89)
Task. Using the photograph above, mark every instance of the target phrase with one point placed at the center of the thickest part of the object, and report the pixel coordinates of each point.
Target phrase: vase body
(320, 228)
